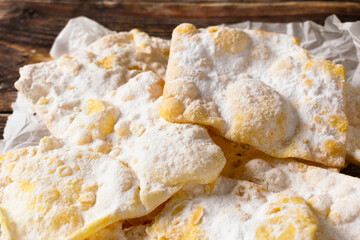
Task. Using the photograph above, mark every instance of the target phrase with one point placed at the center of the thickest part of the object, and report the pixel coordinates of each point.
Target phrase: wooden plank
(3, 119)
(40, 22)
(164, 1)
(13, 56)
(6, 98)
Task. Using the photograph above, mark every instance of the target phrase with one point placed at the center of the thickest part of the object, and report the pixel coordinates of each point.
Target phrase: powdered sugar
(218, 61)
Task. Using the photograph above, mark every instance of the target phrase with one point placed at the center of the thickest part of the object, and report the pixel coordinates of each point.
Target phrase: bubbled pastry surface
(258, 88)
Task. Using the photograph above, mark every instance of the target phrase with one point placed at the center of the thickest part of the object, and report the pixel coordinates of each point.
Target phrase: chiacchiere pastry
(258, 88)
(161, 157)
(118, 114)
(234, 209)
(57, 90)
(332, 196)
(55, 191)
(123, 125)
(106, 99)
(113, 158)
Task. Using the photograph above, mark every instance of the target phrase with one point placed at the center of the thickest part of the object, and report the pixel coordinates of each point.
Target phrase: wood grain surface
(28, 28)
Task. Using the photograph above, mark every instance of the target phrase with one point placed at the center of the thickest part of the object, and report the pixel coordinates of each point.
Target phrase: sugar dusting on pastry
(117, 159)
(163, 155)
(55, 191)
(257, 88)
(332, 196)
(107, 98)
(57, 90)
(234, 209)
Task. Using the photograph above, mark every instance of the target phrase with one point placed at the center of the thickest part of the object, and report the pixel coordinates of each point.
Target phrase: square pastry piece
(107, 98)
(57, 89)
(332, 196)
(258, 88)
(234, 210)
(57, 191)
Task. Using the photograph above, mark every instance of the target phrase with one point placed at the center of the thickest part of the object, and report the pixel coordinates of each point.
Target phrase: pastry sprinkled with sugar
(258, 88)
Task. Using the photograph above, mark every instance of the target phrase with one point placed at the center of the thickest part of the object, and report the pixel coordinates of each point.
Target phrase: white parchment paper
(336, 41)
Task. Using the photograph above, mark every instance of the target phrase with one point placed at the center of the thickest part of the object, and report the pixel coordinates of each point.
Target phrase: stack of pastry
(222, 134)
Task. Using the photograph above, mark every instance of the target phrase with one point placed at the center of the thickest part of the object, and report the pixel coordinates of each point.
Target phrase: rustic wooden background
(28, 28)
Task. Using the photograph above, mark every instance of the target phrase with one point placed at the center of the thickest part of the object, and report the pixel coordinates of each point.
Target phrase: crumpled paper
(335, 40)
(78, 33)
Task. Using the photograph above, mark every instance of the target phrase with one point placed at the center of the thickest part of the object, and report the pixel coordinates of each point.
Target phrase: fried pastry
(163, 155)
(258, 88)
(114, 158)
(106, 105)
(332, 196)
(234, 209)
(55, 191)
(57, 89)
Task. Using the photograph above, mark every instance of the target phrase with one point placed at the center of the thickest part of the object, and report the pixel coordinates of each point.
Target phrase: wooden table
(28, 28)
